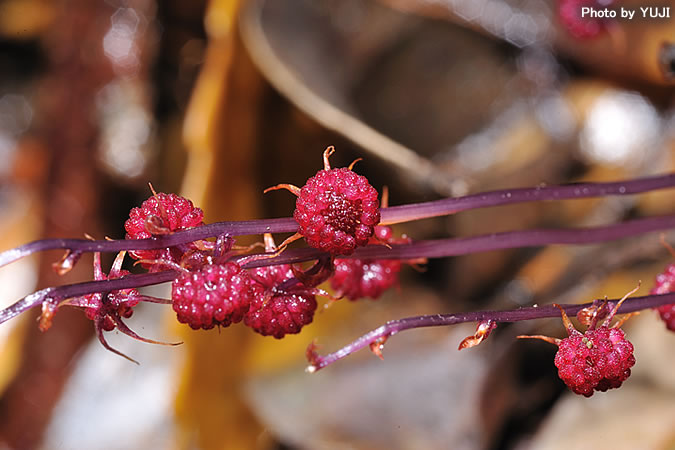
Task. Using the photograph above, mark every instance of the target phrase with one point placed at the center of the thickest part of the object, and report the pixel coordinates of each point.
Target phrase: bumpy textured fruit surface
(218, 294)
(357, 278)
(281, 313)
(270, 277)
(276, 311)
(596, 360)
(665, 283)
(569, 12)
(169, 212)
(667, 313)
(337, 211)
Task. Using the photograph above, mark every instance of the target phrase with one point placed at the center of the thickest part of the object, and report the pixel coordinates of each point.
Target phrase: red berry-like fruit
(281, 313)
(269, 277)
(217, 294)
(358, 278)
(276, 312)
(158, 215)
(596, 360)
(336, 209)
(569, 12)
(667, 313)
(665, 283)
(272, 276)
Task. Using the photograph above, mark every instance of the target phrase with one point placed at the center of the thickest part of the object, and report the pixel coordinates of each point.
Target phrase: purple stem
(440, 248)
(421, 249)
(446, 206)
(180, 237)
(79, 289)
(382, 333)
(396, 214)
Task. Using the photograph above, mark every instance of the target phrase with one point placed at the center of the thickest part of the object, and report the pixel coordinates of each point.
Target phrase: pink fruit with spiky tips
(216, 294)
(596, 360)
(281, 313)
(358, 278)
(336, 209)
(665, 283)
(162, 214)
(667, 313)
(269, 277)
(277, 311)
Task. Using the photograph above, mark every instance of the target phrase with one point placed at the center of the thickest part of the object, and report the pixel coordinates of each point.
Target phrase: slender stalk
(421, 249)
(64, 292)
(396, 214)
(439, 248)
(447, 206)
(379, 335)
(170, 240)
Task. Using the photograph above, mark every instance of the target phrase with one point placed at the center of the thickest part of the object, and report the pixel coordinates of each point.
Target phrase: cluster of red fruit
(337, 211)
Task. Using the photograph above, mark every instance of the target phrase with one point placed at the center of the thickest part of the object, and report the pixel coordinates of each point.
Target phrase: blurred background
(217, 100)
